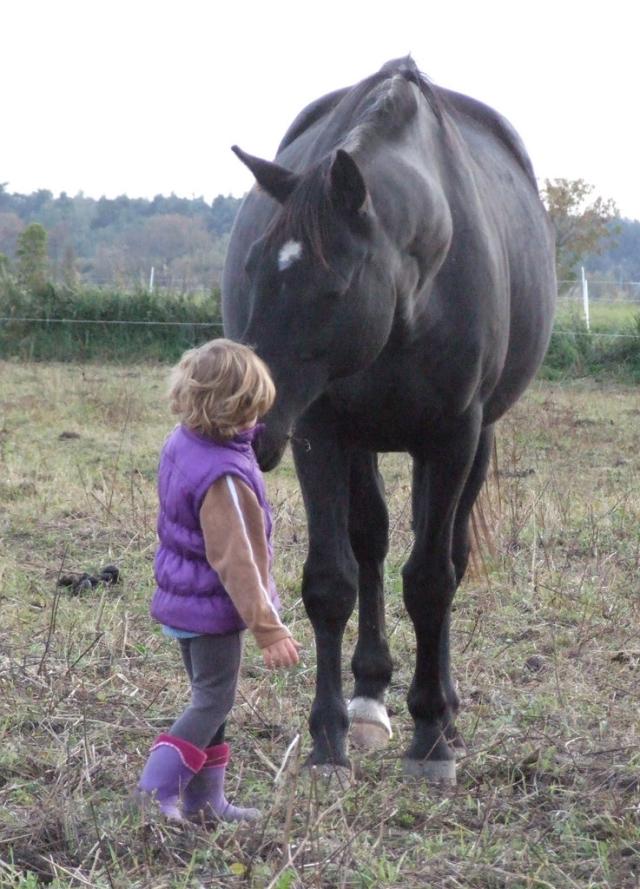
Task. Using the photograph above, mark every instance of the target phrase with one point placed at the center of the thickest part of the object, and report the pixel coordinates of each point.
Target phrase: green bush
(65, 324)
(601, 351)
(88, 325)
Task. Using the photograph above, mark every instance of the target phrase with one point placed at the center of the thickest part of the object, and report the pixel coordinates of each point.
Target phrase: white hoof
(370, 727)
(436, 771)
(368, 735)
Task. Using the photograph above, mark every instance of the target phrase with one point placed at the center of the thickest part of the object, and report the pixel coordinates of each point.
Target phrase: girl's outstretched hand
(283, 653)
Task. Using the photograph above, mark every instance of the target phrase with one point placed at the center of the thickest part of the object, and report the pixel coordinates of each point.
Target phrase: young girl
(212, 569)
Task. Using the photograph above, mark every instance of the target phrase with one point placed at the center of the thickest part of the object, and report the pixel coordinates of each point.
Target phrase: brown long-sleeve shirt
(233, 526)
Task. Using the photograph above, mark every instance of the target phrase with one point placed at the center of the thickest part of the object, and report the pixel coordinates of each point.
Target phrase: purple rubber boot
(171, 766)
(204, 798)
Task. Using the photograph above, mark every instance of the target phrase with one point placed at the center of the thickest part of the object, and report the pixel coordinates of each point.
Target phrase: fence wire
(218, 326)
(625, 294)
(12, 318)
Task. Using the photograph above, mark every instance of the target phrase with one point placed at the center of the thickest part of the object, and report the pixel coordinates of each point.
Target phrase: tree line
(115, 243)
(74, 276)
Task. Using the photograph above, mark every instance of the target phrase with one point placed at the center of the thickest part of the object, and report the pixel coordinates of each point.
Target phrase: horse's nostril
(269, 461)
(304, 442)
(269, 450)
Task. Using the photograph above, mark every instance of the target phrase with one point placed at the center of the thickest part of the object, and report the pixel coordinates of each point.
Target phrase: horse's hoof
(367, 735)
(435, 771)
(328, 773)
(370, 726)
(324, 781)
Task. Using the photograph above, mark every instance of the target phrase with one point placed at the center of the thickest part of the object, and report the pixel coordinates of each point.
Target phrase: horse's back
(502, 213)
(467, 108)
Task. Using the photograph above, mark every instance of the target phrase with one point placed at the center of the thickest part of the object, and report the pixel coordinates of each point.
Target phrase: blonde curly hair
(220, 388)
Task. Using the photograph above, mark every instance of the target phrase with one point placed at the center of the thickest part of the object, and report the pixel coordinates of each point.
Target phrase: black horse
(395, 269)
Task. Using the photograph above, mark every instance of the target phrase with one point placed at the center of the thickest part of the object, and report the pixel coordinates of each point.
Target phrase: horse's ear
(275, 180)
(348, 189)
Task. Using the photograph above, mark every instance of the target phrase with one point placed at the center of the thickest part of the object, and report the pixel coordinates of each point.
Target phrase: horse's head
(319, 301)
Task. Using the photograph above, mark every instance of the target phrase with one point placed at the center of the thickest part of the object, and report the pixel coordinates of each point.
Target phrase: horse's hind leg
(460, 549)
(430, 581)
(371, 663)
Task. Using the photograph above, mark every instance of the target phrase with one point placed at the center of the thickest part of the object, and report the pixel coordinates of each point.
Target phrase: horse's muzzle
(269, 447)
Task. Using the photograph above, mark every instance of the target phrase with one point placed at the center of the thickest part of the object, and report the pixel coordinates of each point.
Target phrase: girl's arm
(235, 538)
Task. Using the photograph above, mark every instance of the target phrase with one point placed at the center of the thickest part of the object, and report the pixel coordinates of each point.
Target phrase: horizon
(207, 201)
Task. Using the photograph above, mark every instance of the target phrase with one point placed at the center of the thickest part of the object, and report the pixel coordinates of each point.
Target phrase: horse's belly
(382, 414)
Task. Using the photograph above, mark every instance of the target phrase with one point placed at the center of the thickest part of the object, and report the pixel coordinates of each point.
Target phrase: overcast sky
(145, 98)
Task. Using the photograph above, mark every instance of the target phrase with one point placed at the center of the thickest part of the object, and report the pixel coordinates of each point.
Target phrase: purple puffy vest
(189, 593)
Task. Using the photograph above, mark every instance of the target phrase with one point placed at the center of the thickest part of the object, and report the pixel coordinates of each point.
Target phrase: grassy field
(606, 315)
(103, 325)
(610, 349)
(546, 652)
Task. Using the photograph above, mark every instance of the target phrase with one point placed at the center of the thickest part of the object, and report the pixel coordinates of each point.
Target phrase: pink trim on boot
(192, 757)
(171, 766)
(218, 755)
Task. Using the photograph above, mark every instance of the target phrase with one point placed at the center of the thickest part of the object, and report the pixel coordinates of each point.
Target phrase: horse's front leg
(371, 663)
(330, 575)
(430, 581)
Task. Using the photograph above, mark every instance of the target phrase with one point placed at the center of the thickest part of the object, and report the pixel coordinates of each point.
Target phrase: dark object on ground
(535, 664)
(82, 583)
(110, 575)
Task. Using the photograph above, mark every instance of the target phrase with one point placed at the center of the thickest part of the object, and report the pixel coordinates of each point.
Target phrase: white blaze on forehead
(289, 253)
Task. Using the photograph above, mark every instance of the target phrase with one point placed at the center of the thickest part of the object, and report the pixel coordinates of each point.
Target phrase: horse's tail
(485, 517)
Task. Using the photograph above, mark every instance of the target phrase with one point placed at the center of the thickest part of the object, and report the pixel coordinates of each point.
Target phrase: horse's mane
(376, 108)
(367, 105)
(386, 107)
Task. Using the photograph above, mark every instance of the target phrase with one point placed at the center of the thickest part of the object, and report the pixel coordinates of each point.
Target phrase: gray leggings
(213, 666)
